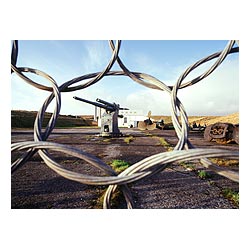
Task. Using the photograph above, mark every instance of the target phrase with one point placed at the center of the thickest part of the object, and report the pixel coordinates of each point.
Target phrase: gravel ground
(36, 186)
(171, 189)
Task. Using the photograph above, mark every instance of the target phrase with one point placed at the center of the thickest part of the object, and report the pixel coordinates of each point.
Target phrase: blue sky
(218, 94)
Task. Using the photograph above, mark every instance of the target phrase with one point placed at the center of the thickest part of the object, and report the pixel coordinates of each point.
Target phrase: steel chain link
(149, 166)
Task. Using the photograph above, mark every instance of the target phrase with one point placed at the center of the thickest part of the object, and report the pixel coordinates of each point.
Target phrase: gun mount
(109, 119)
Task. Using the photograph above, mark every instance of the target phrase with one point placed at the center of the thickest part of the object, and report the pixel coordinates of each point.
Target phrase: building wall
(130, 120)
(130, 117)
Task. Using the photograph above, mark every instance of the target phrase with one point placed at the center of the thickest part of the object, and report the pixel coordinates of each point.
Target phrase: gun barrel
(123, 108)
(89, 102)
(105, 103)
(106, 107)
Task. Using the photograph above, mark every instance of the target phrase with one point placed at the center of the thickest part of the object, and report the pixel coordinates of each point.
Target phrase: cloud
(96, 55)
(218, 94)
(25, 96)
(146, 100)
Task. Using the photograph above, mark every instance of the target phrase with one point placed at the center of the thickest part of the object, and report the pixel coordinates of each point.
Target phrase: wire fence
(149, 166)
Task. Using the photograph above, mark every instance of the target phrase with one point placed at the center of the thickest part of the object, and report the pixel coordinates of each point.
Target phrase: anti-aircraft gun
(109, 119)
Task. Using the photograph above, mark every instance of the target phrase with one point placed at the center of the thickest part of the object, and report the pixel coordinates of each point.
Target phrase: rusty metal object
(222, 133)
(147, 124)
(161, 125)
(236, 134)
(207, 135)
(151, 126)
(198, 127)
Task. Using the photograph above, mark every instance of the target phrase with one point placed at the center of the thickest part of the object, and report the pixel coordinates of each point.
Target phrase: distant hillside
(25, 119)
(232, 118)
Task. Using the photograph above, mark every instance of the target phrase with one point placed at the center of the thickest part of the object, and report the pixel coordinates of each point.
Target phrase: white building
(130, 117)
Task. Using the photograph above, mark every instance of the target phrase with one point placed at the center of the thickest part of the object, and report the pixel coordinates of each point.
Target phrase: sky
(218, 94)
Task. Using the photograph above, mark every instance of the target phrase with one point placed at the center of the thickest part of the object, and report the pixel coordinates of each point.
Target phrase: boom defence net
(149, 166)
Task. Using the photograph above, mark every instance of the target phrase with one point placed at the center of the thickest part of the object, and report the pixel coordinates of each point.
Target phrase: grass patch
(231, 195)
(187, 165)
(119, 165)
(25, 119)
(107, 140)
(116, 199)
(203, 174)
(129, 139)
(164, 143)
